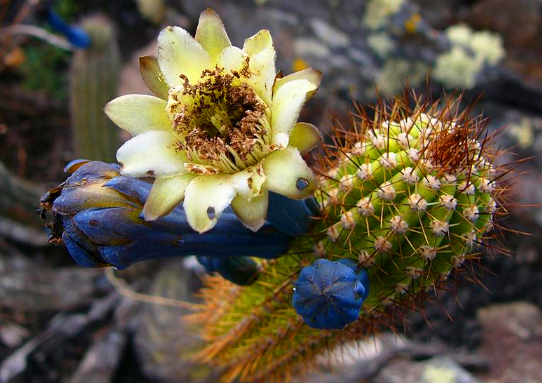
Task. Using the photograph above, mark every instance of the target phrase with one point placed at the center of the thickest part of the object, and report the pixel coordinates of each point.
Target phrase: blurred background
(61, 61)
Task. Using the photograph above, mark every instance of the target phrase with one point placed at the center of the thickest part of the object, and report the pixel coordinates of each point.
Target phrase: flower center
(220, 120)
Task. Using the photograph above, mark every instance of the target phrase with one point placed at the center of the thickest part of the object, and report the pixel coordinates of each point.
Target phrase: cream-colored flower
(223, 128)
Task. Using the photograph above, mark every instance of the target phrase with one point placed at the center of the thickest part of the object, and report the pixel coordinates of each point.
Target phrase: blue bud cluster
(329, 295)
(100, 217)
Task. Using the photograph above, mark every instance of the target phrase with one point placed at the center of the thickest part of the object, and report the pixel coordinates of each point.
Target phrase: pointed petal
(257, 43)
(151, 153)
(211, 33)
(179, 53)
(165, 195)
(262, 66)
(262, 62)
(288, 174)
(251, 212)
(137, 113)
(205, 199)
(153, 76)
(309, 74)
(305, 136)
(287, 104)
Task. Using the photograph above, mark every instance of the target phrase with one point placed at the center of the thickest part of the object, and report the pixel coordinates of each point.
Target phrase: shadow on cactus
(409, 198)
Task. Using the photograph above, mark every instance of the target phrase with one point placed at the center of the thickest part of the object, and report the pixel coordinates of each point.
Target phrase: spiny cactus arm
(406, 199)
(256, 334)
(93, 82)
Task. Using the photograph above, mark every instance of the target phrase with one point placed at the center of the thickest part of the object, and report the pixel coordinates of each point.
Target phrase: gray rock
(329, 34)
(310, 47)
(440, 369)
(512, 342)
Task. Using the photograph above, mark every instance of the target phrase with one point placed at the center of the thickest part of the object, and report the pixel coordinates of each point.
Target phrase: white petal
(205, 199)
(262, 67)
(151, 153)
(309, 74)
(179, 53)
(137, 113)
(251, 213)
(305, 136)
(287, 174)
(262, 63)
(287, 104)
(259, 42)
(211, 33)
(165, 195)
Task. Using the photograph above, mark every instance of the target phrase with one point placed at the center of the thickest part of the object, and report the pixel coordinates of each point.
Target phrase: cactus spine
(93, 82)
(406, 195)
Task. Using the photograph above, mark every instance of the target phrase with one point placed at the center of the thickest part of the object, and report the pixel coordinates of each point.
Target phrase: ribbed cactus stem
(93, 83)
(408, 197)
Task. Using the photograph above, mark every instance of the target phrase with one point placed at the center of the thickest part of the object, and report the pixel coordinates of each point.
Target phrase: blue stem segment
(289, 216)
(101, 212)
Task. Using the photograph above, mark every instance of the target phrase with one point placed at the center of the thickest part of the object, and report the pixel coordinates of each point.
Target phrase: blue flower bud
(97, 213)
(361, 274)
(328, 295)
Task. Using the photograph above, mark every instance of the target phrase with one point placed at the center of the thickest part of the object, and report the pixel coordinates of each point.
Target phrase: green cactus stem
(408, 195)
(93, 82)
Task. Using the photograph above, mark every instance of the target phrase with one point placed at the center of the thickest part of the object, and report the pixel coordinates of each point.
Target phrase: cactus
(93, 82)
(406, 195)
